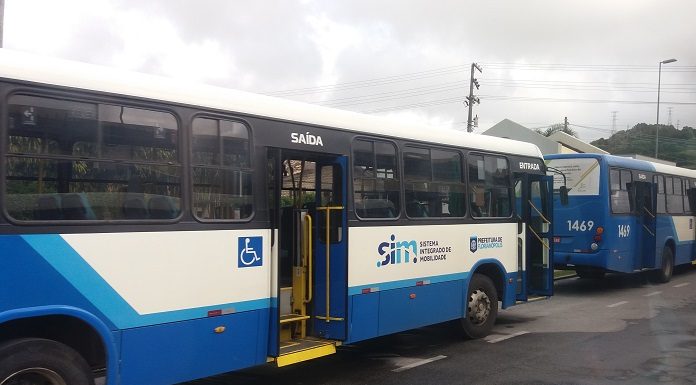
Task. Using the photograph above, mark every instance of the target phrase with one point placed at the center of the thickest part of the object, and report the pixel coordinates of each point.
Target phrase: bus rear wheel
(664, 274)
(34, 361)
(482, 307)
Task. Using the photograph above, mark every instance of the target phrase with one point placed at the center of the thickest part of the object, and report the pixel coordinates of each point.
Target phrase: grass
(563, 273)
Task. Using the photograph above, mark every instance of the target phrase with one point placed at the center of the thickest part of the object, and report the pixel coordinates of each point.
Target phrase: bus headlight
(594, 246)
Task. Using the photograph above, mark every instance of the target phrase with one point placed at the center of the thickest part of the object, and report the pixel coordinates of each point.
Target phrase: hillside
(675, 145)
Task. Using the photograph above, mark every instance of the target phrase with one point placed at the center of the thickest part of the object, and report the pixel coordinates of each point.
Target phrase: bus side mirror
(563, 190)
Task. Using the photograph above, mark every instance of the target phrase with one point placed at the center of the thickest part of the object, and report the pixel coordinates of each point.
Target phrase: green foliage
(286, 200)
(674, 145)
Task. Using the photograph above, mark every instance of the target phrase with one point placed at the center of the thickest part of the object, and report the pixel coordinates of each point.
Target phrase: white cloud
(269, 46)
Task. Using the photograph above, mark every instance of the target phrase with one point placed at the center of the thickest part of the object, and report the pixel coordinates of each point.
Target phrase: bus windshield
(581, 175)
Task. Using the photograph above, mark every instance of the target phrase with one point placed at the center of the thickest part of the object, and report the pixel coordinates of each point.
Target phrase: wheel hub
(479, 307)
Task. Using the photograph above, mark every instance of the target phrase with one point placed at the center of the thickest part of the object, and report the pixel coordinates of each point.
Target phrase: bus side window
(619, 180)
(76, 161)
(689, 195)
(490, 191)
(221, 170)
(376, 185)
(673, 195)
(659, 180)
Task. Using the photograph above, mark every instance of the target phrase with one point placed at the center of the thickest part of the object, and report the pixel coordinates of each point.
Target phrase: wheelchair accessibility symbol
(250, 251)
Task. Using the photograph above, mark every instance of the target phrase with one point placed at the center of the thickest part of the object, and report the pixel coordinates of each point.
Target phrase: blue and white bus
(160, 231)
(623, 215)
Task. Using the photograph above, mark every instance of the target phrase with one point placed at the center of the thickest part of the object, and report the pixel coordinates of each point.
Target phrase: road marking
(618, 304)
(503, 338)
(681, 284)
(653, 293)
(418, 363)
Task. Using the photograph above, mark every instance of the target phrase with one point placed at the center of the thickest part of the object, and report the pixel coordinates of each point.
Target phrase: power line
(513, 64)
(372, 82)
(516, 80)
(463, 67)
(573, 100)
(423, 90)
(518, 99)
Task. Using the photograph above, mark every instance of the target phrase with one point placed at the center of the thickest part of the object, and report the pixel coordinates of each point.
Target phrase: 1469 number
(578, 225)
(624, 231)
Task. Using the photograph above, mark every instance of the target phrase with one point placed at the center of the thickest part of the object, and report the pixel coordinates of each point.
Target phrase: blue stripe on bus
(353, 290)
(88, 282)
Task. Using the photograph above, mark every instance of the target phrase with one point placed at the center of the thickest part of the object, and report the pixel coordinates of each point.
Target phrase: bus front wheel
(664, 274)
(34, 361)
(482, 307)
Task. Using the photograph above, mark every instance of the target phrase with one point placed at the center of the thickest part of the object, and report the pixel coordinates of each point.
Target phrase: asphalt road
(619, 330)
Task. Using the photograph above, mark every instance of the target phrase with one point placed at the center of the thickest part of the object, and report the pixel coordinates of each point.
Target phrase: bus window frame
(190, 165)
(351, 182)
(432, 179)
(81, 96)
(622, 187)
(674, 179)
(510, 186)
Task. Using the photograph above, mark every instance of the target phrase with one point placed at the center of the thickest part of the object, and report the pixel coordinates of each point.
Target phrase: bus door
(534, 205)
(308, 192)
(645, 207)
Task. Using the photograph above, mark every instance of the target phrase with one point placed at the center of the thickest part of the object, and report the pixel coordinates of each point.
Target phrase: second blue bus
(623, 215)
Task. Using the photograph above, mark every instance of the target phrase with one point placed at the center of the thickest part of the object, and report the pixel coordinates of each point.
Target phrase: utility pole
(613, 122)
(669, 117)
(471, 99)
(565, 124)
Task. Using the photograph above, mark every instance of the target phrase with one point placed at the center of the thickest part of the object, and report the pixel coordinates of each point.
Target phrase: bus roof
(637, 164)
(22, 66)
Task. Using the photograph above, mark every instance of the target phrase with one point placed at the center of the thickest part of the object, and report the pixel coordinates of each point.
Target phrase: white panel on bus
(165, 271)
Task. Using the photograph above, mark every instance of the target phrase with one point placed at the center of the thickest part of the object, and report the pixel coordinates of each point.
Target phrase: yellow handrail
(538, 212)
(538, 237)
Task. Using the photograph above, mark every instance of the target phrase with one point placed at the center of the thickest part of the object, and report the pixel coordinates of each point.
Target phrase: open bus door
(534, 202)
(645, 206)
(308, 193)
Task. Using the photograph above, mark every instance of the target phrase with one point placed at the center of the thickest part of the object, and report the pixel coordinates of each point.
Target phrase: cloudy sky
(542, 60)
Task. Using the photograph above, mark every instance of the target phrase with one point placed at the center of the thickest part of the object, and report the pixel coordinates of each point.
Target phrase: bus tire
(664, 273)
(41, 361)
(482, 307)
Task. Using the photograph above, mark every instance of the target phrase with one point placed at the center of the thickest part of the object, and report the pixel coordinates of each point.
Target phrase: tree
(556, 128)
(675, 145)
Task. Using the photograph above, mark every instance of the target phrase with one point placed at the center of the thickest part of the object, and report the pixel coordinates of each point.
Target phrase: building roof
(575, 144)
(506, 128)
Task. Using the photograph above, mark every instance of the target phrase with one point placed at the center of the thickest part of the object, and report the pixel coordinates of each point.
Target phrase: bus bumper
(567, 260)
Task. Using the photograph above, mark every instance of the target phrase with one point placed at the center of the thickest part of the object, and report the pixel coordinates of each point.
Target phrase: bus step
(286, 318)
(533, 298)
(304, 349)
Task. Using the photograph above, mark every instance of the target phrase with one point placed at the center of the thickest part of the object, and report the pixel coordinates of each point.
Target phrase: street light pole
(657, 123)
